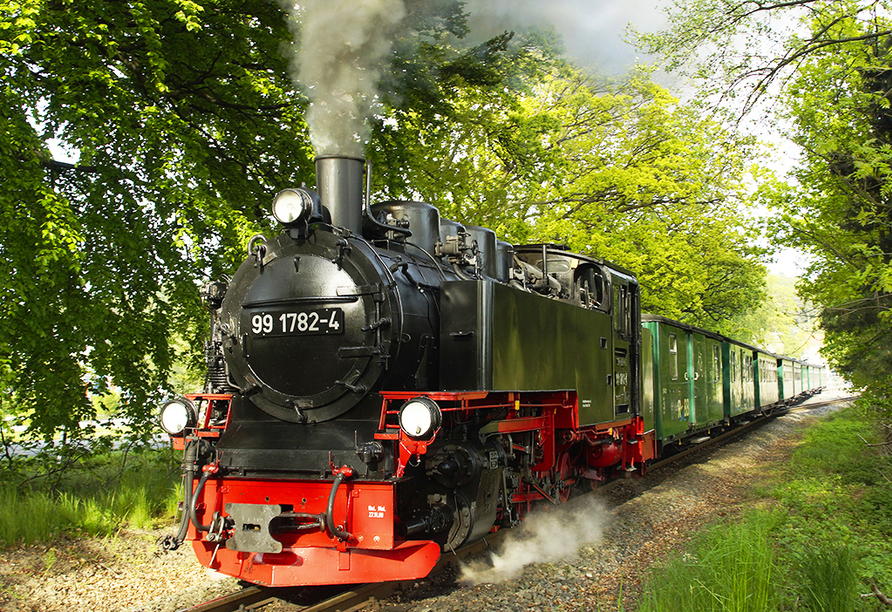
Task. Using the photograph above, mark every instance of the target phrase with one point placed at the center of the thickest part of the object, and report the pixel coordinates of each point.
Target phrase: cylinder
(339, 181)
(422, 219)
(504, 260)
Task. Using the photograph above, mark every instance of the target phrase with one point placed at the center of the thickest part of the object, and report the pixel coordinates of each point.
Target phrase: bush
(829, 535)
(730, 568)
(98, 496)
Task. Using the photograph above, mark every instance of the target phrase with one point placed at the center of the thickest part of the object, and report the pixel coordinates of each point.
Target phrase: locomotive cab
(583, 281)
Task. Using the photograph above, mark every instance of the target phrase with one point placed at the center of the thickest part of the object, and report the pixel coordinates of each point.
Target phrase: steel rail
(737, 431)
(240, 600)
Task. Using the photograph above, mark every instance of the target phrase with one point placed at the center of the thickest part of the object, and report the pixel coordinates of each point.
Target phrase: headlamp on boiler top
(291, 206)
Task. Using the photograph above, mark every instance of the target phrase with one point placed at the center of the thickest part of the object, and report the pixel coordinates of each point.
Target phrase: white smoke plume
(342, 47)
(592, 31)
(545, 537)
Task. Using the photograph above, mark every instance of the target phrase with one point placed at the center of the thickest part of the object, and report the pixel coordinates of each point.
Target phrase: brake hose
(190, 455)
(337, 532)
(194, 502)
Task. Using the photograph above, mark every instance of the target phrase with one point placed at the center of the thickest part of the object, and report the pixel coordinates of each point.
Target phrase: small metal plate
(251, 533)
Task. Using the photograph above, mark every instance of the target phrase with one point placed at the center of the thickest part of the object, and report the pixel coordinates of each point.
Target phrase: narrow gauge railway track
(733, 434)
(263, 598)
(354, 598)
(296, 599)
(330, 599)
(728, 436)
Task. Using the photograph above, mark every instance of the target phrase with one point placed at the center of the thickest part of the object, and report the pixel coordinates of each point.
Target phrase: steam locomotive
(385, 385)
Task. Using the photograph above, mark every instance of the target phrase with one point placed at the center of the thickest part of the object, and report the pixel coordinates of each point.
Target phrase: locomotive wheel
(564, 477)
(462, 521)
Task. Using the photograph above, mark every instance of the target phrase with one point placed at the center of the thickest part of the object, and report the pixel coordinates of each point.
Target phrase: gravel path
(119, 573)
(573, 558)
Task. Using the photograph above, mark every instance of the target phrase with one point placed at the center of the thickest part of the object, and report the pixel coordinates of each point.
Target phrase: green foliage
(742, 52)
(100, 261)
(99, 497)
(827, 65)
(828, 579)
(783, 324)
(834, 448)
(475, 150)
(654, 186)
(839, 519)
(823, 541)
(839, 209)
(731, 567)
(615, 168)
(183, 120)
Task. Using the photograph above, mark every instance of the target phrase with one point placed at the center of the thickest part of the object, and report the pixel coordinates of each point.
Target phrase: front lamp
(292, 206)
(177, 416)
(420, 417)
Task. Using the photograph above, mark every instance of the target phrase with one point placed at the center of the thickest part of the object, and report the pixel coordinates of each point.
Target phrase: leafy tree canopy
(827, 66)
(184, 120)
(617, 169)
(161, 103)
(740, 49)
(784, 324)
(839, 209)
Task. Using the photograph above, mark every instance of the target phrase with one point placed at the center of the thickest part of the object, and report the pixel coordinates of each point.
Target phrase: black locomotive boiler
(385, 385)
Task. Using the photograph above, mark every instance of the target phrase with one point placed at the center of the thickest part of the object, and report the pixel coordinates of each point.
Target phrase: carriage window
(733, 365)
(716, 363)
(673, 357)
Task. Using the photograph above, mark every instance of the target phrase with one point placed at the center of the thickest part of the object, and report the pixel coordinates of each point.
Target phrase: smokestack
(339, 181)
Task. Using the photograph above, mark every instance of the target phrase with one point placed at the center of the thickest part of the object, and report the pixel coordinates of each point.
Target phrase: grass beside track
(820, 537)
(98, 497)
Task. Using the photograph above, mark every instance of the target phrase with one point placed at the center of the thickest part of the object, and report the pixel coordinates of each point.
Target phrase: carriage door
(699, 377)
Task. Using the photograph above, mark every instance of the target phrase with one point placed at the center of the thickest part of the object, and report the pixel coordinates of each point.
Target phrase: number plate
(303, 323)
